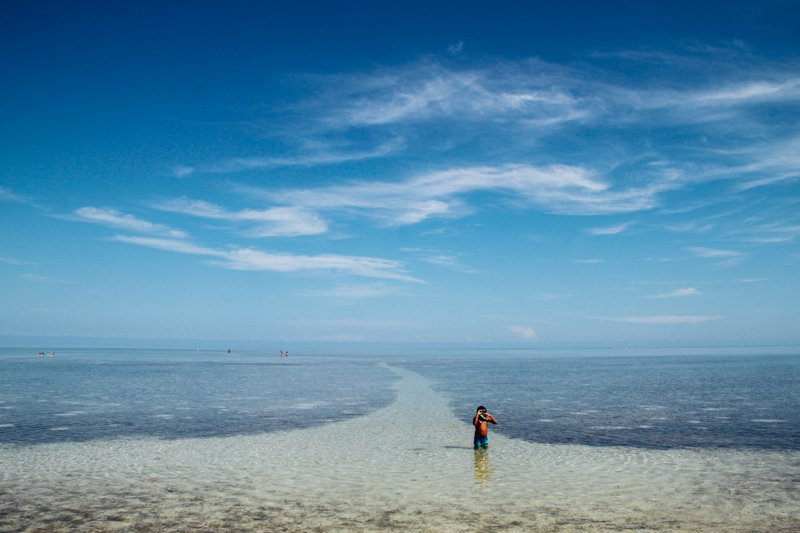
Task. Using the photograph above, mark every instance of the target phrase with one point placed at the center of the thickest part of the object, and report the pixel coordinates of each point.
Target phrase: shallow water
(82, 395)
(398, 468)
(696, 399)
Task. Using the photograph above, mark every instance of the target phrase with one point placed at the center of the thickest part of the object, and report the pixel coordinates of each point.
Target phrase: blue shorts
(481, 442)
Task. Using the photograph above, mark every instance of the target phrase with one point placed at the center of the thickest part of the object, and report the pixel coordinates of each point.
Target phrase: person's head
(481, 409)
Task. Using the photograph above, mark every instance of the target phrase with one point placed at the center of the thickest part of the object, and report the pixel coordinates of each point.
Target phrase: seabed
(407, 467)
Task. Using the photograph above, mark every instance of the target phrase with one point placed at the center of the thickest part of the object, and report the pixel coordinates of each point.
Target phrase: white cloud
(524, 332)
(775, 239)
(690, 227)
(772, 161)
(678, 293)
(313, 155)
(371, 267)
(557, 188)
(181, 171)
(451, 262)
(771, 178)
(284, 221)
(519, 102)
(713, 253)
(609, 230)
(115, 219)
(428, 89)
(257, 260)
(749, 92)
(169, 245)
(532, 94)
(720, 103)
(270, 222)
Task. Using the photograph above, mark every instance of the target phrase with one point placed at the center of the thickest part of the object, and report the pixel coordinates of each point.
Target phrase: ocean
(659, 400)
(81, 395)
(656, 400)
(588, 440)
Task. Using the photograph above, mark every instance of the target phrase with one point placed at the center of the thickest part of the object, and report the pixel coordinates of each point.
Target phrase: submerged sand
(407, 467)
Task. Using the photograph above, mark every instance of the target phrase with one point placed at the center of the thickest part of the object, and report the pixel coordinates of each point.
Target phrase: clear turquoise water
(701, 398)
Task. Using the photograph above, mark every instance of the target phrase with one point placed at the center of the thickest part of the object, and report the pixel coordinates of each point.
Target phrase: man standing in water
(481, 422)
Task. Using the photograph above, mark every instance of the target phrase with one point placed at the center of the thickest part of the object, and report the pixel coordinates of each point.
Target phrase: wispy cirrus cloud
(772, 233)
(510, 106)
(723, 258)
(431, 91)
(750, 92)
(180, 246)
(537, 97)
(442, 194)
(678, 293)
(503, 113)
(533, 99)
(314, 155)
(439, 258)
(367, 115)
(114, 219)
(692, 226)
(271, 222)
(451, 262)
(237, 257)
(609, 230)
(751, 163)
(257, 260)
(719, 103)
(714, 253)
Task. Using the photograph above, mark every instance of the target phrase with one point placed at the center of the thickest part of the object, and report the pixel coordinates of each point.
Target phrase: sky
(514, 173)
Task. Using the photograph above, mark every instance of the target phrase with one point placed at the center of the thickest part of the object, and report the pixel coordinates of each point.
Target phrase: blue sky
(354, 172)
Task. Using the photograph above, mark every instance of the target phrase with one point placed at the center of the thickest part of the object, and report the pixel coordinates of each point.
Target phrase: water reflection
(483, 470)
